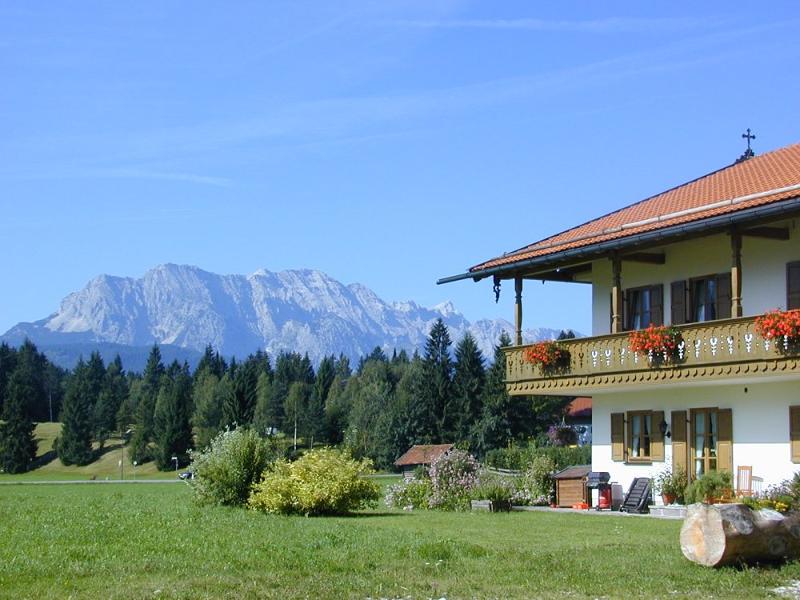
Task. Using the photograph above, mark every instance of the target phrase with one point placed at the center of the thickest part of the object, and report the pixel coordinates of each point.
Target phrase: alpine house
(694, 358)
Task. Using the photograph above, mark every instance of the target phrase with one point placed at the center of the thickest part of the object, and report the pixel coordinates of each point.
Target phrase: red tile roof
(761, 180)
(580, 407)
(422, 454)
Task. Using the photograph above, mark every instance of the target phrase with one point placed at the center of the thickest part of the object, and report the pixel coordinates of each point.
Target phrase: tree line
(377, 409)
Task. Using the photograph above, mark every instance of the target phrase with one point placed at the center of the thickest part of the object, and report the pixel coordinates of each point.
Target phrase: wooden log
(723, 534)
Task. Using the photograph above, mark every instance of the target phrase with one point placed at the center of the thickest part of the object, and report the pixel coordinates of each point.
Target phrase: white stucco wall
(760, 425)
(763, 272)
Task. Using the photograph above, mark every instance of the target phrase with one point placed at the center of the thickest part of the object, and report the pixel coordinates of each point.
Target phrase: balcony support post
(518, 310)
(616, 295)
(736, 274)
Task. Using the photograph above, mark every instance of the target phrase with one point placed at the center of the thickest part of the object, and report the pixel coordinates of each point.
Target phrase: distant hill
(184, 308)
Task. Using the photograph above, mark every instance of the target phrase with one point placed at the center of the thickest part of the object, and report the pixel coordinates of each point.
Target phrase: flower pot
(668, 499)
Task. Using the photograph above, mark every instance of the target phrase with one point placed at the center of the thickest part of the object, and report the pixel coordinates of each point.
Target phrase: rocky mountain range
(184, 308)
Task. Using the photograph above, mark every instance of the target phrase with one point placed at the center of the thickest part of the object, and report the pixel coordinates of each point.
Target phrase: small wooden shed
(571, 486)
(420, 455)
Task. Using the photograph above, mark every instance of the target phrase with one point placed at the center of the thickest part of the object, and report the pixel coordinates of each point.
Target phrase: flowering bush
(548, 355)
(321, 482)
(226, 471)
(538, 482)
(783, 497)
(453, 477)
(781, 326)
(659, 340)
(409, 494)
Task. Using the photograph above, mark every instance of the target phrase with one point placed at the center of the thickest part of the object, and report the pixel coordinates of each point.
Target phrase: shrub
(413, 493)
(228, 468)
(453, 477)
(520, 458)
(321, 482)
(709, 487)
(538, 480)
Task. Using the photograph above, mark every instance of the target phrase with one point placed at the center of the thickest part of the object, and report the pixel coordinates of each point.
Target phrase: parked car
(186, 475)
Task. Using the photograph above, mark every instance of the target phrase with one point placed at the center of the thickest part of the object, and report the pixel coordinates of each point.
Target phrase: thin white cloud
(133, 173)
(600, 26)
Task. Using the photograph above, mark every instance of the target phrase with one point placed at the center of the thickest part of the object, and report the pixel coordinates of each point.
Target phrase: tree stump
(724, 534)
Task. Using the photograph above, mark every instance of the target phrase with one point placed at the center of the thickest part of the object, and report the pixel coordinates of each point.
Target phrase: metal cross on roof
(749, 136)
(749, 152)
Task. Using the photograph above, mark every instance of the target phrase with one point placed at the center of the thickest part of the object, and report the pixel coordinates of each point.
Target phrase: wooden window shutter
(680, 451)
(723, 300)
(657, 440)
(678, 293)
(725, 440)
(657, 305)
(793, 285)
(794, 432)
(618, 436)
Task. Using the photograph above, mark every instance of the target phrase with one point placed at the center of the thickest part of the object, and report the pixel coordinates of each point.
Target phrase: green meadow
(152, 541)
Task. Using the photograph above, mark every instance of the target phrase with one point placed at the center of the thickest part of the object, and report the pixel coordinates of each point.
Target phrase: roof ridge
(542, 244)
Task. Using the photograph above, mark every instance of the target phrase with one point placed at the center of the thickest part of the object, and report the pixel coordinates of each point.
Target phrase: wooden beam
(518, 310)
(653, 258)
(616, 295)
(736, 274)
(771, 233)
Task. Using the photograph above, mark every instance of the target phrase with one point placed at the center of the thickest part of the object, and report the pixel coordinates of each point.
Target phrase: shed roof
(766, 179)
(575, 472)
(422, 454)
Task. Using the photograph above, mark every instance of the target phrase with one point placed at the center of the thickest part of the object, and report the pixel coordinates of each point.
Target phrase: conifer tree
(207, 402)
(151, 381)
(437, 380)
(239, 406)
(468, 381)
(171, 428)
(8, 361)
(75, 441)
(17, 443)
(505, 418)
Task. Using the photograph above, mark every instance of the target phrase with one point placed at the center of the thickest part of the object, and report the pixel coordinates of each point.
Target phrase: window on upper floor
(644, 307)
(701, 299)
(793, 285)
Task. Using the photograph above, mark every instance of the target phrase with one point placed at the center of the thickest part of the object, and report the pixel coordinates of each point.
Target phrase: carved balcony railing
(722, 349)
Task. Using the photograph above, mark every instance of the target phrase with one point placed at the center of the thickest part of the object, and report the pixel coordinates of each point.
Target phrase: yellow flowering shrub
(321, 482)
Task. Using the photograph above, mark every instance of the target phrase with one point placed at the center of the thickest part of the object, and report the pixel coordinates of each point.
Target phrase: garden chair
(744, 481)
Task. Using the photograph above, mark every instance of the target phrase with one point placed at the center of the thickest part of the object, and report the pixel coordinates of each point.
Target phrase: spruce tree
(8, 361)
(263, 419)
(438, 380)
(171, 428)
(151, 381)
(17, 443)
(240, 406)
(75, 441)
(468, 382)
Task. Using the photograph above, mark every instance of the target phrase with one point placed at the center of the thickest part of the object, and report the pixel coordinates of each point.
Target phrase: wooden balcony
(715, 350)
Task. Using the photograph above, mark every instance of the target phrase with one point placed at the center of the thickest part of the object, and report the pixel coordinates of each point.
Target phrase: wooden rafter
(771, 233)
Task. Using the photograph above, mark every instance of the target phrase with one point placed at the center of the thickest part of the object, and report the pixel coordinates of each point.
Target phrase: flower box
(659, 343)
(550, 356)
(782, 328)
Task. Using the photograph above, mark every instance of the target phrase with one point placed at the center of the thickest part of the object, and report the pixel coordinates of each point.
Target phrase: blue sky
(386, 143)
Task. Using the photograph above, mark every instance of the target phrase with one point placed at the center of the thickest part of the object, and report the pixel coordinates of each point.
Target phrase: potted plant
(549, 356)
(781, 327)
(671, 485)
(658, 342)
(710, 488)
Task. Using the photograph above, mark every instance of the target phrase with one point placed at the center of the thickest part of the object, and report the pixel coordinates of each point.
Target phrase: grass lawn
(117, 541)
